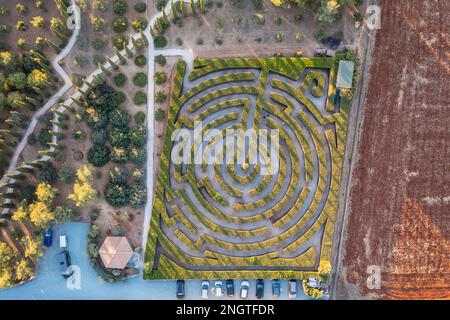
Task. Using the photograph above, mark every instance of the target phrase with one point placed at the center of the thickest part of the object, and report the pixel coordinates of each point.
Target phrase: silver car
(292, 289)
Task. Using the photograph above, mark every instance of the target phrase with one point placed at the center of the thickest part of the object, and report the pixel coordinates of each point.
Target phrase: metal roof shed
(345, 74)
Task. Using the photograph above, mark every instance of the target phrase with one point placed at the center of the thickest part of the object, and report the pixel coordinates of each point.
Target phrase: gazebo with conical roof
(115, 252)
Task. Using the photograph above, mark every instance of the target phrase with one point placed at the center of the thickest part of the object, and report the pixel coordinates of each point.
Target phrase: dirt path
(399, 202)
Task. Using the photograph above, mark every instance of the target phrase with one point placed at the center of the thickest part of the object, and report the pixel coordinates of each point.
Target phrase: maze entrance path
(224, 220)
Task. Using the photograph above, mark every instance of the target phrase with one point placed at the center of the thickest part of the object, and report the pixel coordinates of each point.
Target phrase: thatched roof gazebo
(115, 252)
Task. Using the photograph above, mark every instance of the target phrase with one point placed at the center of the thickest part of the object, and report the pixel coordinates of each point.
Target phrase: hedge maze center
(228, 220)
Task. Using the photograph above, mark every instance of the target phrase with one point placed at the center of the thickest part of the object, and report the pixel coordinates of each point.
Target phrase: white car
(218, 288)
(62, 241)
(205, 288)
(292, 289)
(245, 285)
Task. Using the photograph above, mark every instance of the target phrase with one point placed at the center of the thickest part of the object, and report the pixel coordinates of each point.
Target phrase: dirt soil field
(400, 198)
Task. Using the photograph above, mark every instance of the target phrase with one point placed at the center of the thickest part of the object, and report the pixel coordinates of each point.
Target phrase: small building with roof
(115, 252)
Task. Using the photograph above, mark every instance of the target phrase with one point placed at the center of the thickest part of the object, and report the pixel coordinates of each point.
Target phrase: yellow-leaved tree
(83, 192)
(40, 214)
(45, 193)
(21, 213)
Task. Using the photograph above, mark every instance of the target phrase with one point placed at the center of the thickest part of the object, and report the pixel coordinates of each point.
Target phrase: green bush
(98, 155)
(120, 7)
(160, 77)
(140, 79)
(140, 7)
(159, 115)
(120, 79)
(118, 175)
(99, 137)
(18, 80)
(138, 195)
(119, 137)
(161, 60)
(138, 136)
(139, 23)
(120, 41)
(140, 60)
(120, 97)
(66, 175)
(47, 173)
(119, 117)
(138, 174)
(28, 193)
(120, 24)
(139, 117)
(160, 4)
(117, 195)
(98, 59)
(99, 43)
(140, 98)
(138, 155)
(160, 97)
(160, 42)
(119, 155)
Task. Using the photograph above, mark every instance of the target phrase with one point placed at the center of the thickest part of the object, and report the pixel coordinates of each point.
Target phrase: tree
(99, 155)
(40, 214)
(120, 7)
(18, 80)
(119, 117)
(117, 195)
(33, 248)
(138, 136)
(37, 22)
(119, 137)
(83, 192)
(21, 213)
(138, 195)
(118, 175)
(37, 79)
(6, 59)
(45, 193)
(66, 174)
(23, 270)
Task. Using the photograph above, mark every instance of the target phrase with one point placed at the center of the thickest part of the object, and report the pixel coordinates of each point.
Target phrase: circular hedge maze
(229, 220)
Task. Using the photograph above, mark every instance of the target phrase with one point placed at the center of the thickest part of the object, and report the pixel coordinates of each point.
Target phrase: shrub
(117, 195)
(138, 155)
(138, 195)
(47, 173)
(66, 174)
(78, 135)
(44, 137)
(139, 23)
(119, 117)
(94, 119)
(98, 155)
(160, 97)
(120, 41)
(119, 155)
(160, 4)
(117, 231)
(220, 22)
(98, 24)
(159, 115)
(120, 6)
(98, 59)
(240, 4)
(140, 60)
(161, 60)
(118, 175)
(21, 26)
(139, 117)
(199, 41)
(160, 77)
(278, 21)
(100, 5)
(140, 79)
(218, 40)
(120, 97)
(138, 136)
(160, 42)
(98, 43)
(120, 79)
(140, 98)
(120, 24)
(18, 80)
(119, 137)
(138, 174)
(28, 193)
(179, 41)
(140, 7)
(99, 137)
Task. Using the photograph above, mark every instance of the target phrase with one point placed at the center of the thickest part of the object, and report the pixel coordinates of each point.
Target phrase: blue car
(48, 237)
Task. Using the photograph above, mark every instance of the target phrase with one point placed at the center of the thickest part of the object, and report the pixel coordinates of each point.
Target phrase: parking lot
(49, 284)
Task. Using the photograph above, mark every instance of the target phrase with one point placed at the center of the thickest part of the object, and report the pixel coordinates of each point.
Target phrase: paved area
(49, 284)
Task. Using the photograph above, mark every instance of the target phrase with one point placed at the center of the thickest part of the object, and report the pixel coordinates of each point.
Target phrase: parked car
(259, 288)
(62, 241)
(205, 288)
(180, 289)
(276, 287)
(48, 237)
(292, 289)
(63, 259)
(230, 287)
(218, 288)
(245, 285)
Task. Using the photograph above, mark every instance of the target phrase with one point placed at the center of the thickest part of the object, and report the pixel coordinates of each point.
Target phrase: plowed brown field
(400, 196)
